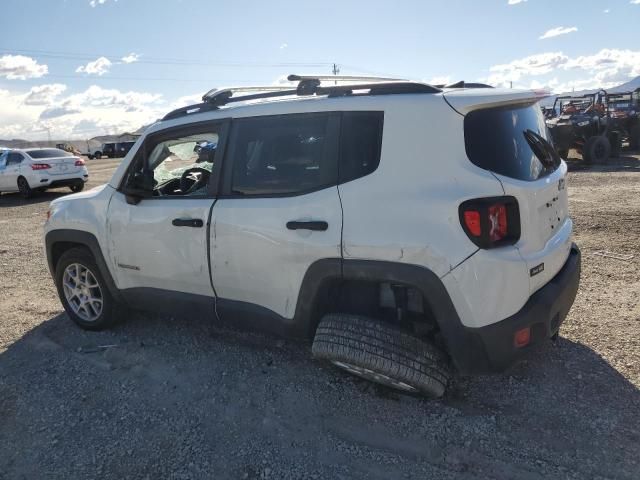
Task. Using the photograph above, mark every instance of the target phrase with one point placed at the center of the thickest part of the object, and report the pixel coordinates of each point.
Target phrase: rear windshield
(496, 140)
(49, 153)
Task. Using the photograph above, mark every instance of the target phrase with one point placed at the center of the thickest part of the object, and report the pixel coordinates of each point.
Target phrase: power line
(163, 61)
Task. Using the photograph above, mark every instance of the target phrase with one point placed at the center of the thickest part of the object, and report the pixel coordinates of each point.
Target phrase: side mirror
(141, 187)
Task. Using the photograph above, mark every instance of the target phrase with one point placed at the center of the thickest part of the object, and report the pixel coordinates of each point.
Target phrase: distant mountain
(625, 87)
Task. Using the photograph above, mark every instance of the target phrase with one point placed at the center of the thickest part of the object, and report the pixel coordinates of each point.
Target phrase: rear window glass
(495, 141)
(49, 153)
(361, 138)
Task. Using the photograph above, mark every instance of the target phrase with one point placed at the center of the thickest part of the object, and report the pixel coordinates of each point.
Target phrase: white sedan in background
(37, 169)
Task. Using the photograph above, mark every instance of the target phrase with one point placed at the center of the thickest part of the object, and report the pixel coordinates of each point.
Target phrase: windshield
(48, 153)
(510, 141)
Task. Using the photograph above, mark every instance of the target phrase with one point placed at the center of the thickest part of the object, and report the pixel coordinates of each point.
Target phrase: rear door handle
(313, 225)
(187, 222)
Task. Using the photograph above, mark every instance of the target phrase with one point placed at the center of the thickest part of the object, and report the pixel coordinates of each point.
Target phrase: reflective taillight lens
(498, 228)
(80, 163)
(40, 166)
(491, 222)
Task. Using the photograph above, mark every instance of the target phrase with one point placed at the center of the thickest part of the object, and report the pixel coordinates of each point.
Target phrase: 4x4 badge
(536, 270)
(561, 184)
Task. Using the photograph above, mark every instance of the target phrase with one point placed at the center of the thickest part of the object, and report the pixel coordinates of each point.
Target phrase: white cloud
(604, 69)
(283, 46)
(99, 66)
(554, 32)
(131, 58)
(85, 114)
(606, 10)
(515, 2)
(540, 64)
(19, 67)
(635, 2)
(93, 3)
(44, 94)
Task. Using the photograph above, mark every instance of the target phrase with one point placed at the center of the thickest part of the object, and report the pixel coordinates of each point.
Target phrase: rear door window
(14, 159)
(496, 140)
(284, 155)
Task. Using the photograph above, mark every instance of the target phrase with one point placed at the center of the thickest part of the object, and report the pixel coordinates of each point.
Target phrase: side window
(182, 162)
(361, 140)
(14, 159)
(284, 155)
(3, 160)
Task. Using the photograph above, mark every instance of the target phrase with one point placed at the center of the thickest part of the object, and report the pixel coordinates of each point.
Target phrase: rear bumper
(53, 182)
(544, 312)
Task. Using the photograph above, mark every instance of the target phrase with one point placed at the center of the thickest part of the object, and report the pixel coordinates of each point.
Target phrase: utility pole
(335, 71)
(511, 84)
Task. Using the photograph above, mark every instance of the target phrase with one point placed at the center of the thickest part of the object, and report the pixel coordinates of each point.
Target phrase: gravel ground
(178, 398)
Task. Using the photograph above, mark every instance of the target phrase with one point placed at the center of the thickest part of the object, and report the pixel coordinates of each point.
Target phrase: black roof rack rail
(307, 86)
(463, 84)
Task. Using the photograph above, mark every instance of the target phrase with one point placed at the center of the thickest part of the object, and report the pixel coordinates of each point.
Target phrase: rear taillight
(80, 163)
(40, 166)
(491, 222)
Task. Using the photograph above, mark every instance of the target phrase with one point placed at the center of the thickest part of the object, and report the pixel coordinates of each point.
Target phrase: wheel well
(393, 302)
(58, 248)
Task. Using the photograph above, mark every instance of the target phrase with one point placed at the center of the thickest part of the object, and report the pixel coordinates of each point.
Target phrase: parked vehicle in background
(68, 148)
(37, 169)
(122, 148)
(404, 229)
(624, 110)
(583, 123)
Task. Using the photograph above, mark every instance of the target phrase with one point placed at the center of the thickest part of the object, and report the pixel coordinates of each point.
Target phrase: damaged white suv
(404, 229)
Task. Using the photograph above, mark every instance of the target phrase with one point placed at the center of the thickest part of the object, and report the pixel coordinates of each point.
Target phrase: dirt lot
(177, 399)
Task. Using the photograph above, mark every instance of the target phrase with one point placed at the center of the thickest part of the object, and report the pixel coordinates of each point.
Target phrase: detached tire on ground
(381, 353)
(596, 150)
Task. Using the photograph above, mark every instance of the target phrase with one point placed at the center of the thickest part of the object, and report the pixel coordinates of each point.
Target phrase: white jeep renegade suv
(403, 228)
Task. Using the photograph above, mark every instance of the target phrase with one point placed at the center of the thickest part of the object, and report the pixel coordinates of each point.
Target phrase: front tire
(23, 187)
(97, 155)
(634, 137)
(382, 353)
(596, 150)
(83, 291)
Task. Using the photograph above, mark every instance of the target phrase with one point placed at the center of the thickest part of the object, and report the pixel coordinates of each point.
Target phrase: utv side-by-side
(624, 110)
(584, 124)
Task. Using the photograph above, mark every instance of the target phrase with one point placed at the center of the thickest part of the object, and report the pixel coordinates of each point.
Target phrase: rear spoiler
(465, 101)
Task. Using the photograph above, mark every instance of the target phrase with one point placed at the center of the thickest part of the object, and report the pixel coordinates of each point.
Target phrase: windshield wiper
(542, 148)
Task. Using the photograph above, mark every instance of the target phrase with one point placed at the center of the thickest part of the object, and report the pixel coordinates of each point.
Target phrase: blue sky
(82, 67)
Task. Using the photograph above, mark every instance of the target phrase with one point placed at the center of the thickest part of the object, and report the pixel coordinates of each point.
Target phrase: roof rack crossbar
(307, 86)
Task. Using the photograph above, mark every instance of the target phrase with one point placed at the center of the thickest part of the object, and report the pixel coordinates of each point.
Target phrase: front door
(160, 244)
(279, 211)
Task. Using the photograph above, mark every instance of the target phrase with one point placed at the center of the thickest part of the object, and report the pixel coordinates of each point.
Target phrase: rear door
(496, 140)
(279, 213)
(14, 163)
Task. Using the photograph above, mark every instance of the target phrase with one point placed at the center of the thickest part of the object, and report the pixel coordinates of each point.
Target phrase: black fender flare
(464, 347)
(84, 239)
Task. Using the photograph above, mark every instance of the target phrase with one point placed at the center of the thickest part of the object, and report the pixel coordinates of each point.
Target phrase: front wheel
(78, 187)
(83, 291)
(97, 155)
(381, 353)
(23, 187)
(596, 150)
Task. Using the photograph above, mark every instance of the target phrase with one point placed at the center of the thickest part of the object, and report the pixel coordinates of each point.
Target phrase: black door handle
(187, 222)
(314, 225)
